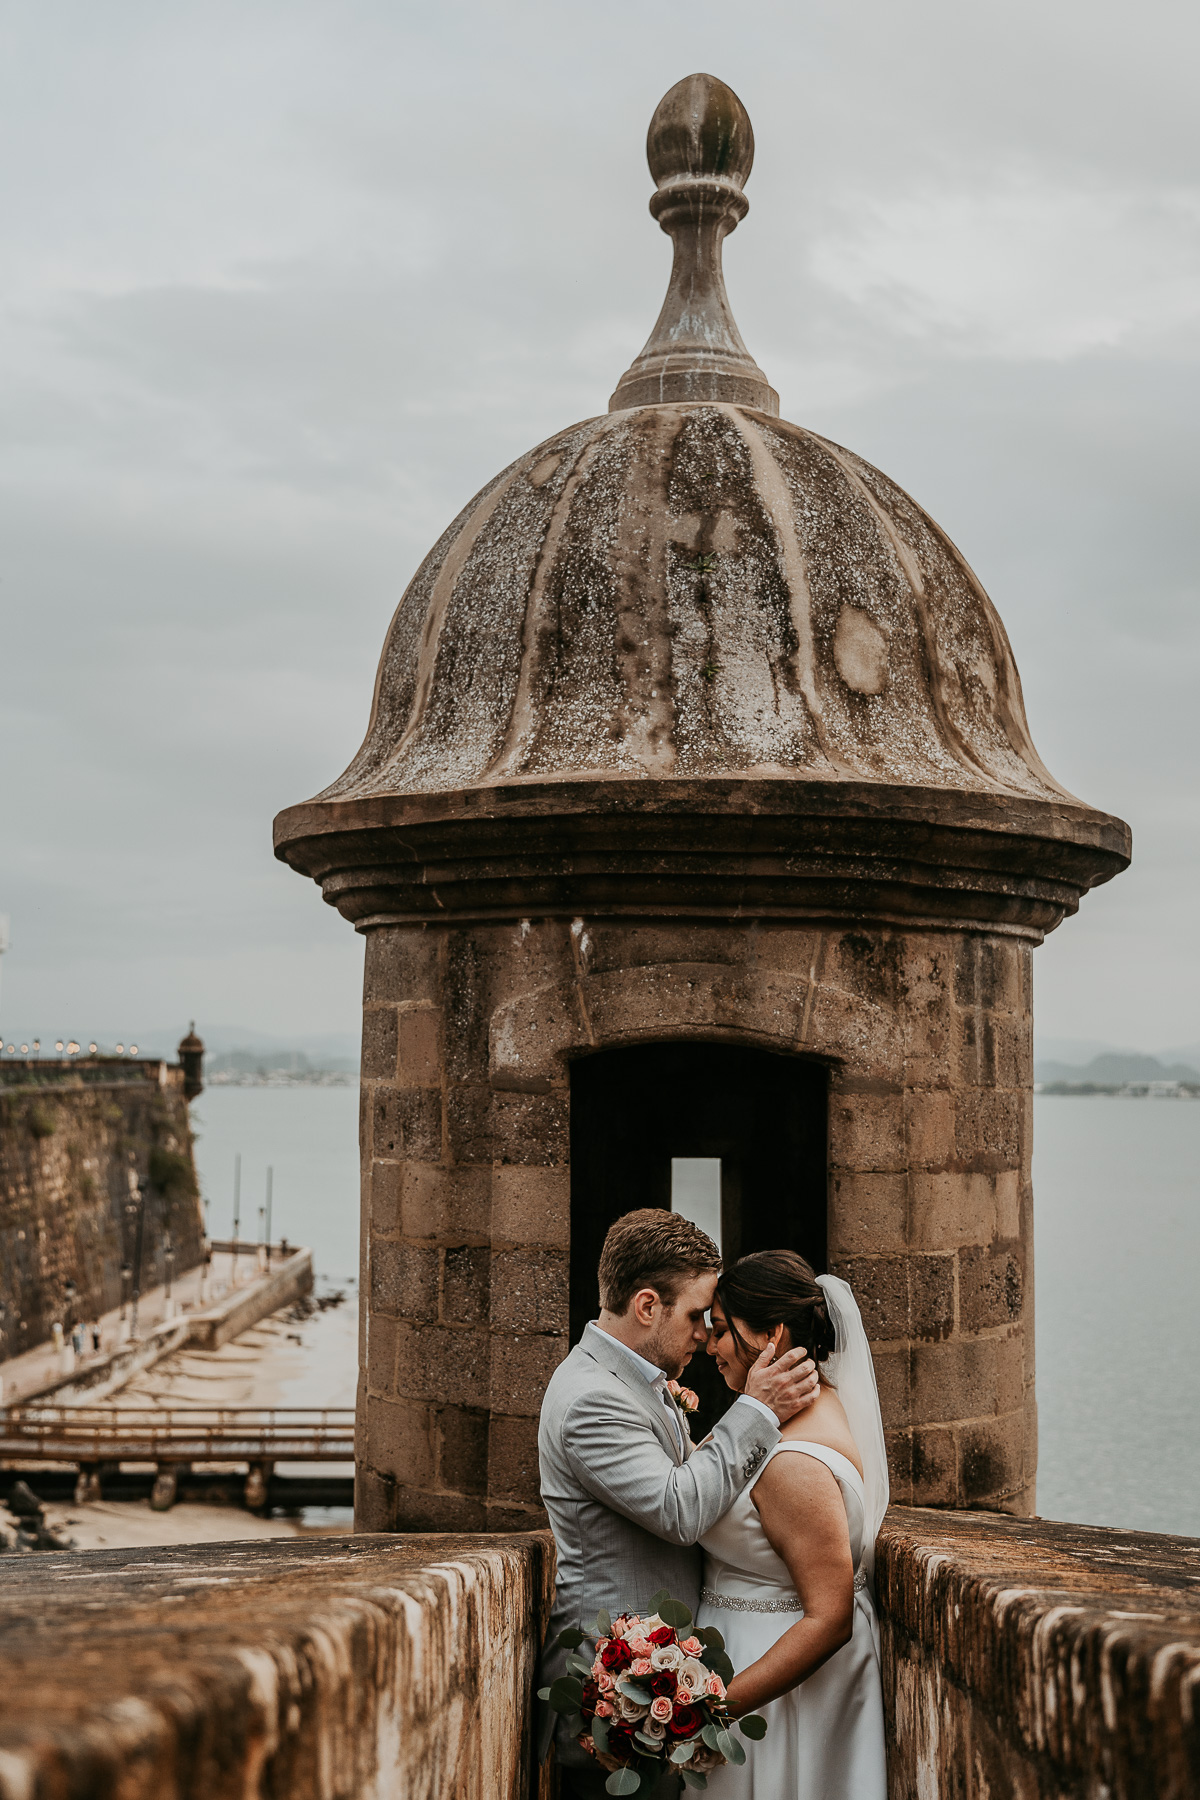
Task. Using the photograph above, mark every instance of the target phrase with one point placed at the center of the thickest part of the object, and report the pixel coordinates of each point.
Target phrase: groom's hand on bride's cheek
(787, 1384)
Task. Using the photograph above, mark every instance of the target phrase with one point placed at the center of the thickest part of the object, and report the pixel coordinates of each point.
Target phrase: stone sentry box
(697, 815)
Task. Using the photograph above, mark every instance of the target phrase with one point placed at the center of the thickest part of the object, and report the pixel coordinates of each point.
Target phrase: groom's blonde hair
(652, 1248)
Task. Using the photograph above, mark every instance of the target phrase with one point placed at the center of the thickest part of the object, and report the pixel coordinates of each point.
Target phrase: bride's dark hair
(777, 1287)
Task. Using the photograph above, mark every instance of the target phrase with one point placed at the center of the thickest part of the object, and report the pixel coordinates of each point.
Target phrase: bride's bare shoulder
(824, 1422)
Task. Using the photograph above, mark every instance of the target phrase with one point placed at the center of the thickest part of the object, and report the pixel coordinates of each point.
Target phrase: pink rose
(604, 1709)
(641, 1646)
(604, 1681)
(660, 1709)
(620, 1628)
(641, 1666)
(691, 1646)
(715, 1686)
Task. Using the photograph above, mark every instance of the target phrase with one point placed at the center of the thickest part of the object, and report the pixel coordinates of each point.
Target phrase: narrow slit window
(696, 1192)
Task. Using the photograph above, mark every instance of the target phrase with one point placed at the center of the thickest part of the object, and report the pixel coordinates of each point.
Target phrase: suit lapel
(608, 1353)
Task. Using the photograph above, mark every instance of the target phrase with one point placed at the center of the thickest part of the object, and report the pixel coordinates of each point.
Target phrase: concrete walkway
(37, 1369)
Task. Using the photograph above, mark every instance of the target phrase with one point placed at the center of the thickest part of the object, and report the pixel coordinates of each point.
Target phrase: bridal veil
(852, 1373)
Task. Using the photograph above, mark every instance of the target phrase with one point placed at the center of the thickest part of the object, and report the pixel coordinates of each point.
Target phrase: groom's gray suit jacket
(627, 1503)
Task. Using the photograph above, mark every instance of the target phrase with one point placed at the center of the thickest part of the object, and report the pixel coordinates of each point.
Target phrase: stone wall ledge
(321, 1669)
(1031, 1659)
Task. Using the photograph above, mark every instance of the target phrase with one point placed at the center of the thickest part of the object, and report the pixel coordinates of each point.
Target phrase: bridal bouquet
(652, 1697)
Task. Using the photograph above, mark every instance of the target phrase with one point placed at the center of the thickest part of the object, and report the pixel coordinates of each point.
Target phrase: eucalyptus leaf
(729, 1747)
(720, 1665)
(566, 1695)
(543, 1693)
(658, 1601)
(631, 1691)
(753, 1726)
(580, 1665)
(603, 1624)
(654, 1745)
(623, 1781)
(570, 1639)
(674, 1612)
(684, 1752)
(600, 1734)
(710, 1733)
(692, 1779)
(708, 1634)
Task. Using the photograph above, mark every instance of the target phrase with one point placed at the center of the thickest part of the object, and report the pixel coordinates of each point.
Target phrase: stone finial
(700, 148)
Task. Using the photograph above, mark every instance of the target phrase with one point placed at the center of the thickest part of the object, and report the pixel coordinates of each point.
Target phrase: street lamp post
(136, 1210)
(237, 1210)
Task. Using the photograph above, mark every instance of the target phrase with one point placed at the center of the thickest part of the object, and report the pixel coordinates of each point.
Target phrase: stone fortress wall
(71, 1134)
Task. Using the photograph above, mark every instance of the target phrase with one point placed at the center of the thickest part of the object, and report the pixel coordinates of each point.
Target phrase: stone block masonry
(69, 1137)
(1039, 1661)
(468, 1038)
(1021, 1659)
(321, 1669)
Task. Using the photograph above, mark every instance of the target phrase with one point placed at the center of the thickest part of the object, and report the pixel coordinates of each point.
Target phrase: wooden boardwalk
(97, 1440)
(180, 1434)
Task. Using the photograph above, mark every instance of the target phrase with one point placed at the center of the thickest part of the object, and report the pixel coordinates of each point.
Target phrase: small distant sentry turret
(191, 1057)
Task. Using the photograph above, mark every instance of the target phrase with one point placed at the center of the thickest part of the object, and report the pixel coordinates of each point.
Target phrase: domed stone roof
(689, 590)
(695, 589)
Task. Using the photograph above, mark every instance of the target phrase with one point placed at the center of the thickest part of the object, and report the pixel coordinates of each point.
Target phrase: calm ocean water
(1117, 1260)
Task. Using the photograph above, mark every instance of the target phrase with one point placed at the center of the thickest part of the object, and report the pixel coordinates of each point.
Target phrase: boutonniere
(683, 1397)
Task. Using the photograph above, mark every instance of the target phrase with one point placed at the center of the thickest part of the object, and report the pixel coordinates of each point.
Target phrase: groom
(627, 1494)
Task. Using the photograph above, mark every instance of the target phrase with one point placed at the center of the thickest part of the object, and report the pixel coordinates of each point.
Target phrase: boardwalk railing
(176, 1434)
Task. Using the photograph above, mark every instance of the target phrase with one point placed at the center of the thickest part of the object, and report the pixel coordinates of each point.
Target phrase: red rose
(591, 1693)
(663, 1683)
(686, 1722)
(664, 1635)
(620, 1736)
(616, 1655)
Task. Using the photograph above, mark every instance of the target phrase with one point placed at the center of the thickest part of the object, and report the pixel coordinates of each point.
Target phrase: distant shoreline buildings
(1125, 1090)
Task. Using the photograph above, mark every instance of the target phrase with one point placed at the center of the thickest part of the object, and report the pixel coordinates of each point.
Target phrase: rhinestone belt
(785, 1603)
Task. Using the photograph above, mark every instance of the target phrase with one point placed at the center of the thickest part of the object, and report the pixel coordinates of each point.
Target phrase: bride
(788, 1569)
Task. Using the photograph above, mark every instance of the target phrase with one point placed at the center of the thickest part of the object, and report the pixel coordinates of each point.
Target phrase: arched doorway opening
(735, 1138)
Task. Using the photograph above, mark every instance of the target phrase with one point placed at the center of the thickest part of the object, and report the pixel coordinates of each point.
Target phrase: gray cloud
(286, 283)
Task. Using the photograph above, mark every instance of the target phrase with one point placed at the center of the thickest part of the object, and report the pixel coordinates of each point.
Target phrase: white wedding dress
(825, 1739)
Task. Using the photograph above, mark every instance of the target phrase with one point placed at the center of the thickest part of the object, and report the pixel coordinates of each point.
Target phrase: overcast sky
(284, 282)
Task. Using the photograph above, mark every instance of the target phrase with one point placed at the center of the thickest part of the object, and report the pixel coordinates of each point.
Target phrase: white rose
(653, 1623)
(652, 1728)
(693, 1674)
(631, 1709)
(667, 1656)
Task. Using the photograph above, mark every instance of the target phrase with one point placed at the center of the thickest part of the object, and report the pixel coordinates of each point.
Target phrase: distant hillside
(1114, 1067)
(268, 1062)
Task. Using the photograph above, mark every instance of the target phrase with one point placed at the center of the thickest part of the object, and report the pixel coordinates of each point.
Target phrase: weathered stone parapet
(331, 1669)
(1038, 1660)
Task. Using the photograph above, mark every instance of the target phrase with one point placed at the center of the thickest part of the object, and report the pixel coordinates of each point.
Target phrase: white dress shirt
(657, 1379)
